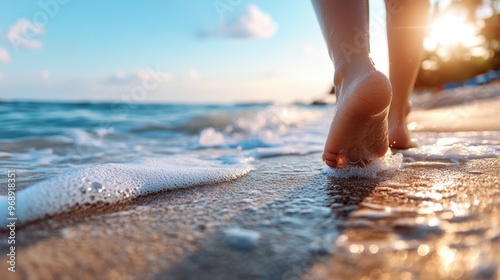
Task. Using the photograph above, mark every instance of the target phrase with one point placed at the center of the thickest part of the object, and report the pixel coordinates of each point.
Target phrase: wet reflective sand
(286, 220)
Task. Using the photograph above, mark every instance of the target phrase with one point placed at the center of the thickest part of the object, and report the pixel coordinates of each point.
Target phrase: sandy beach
(432, 219)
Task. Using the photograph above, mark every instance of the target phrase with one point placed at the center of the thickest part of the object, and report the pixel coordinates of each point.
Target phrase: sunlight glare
(452, 29)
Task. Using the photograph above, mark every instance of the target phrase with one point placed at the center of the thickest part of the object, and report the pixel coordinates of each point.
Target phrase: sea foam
(113, 183)
(388, 163)
(457, 152)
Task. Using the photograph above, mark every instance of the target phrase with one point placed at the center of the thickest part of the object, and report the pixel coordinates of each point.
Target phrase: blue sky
(167, 51)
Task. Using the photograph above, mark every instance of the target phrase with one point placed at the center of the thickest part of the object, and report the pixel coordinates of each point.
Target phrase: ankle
(396, 121)
(345, 70)
(398, 113)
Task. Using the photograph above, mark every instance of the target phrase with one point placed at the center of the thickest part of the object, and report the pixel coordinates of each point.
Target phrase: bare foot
(358, 132)
(399, 136)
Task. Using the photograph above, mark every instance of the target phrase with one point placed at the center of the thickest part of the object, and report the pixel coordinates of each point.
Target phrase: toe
(335, 160)
(330, 159)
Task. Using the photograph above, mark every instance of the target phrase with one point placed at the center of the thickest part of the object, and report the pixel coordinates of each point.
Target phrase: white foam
(209, 137)
(112, 183)
(388, 163)
(288, 150)
(273, 126)
(455, 152)
(34, 158)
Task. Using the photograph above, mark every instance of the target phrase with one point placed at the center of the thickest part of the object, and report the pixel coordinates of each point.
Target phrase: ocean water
(68, 155)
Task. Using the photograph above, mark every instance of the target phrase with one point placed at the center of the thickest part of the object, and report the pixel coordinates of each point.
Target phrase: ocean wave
(270, 127)
(115, 183)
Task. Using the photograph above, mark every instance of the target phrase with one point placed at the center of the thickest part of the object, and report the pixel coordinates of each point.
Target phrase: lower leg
(406, 24)
(345, 28)
(359, 129)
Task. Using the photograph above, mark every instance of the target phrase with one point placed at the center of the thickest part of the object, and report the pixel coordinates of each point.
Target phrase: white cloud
(122, 78)
(252, 23)
(193, 75)
(22, 34)
(4, 56)
(145, 74)
(120, 75)
(45, 75)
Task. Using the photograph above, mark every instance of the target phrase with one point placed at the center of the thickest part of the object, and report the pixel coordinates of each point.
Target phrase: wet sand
(462, 109)
(285, 220)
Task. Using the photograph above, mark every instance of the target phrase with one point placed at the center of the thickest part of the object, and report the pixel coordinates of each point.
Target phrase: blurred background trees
(462, 42)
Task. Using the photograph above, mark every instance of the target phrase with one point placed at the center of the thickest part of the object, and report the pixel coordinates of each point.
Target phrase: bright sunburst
(452, 29)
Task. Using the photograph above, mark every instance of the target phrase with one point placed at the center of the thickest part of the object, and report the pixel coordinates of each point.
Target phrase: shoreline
(304, 219)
